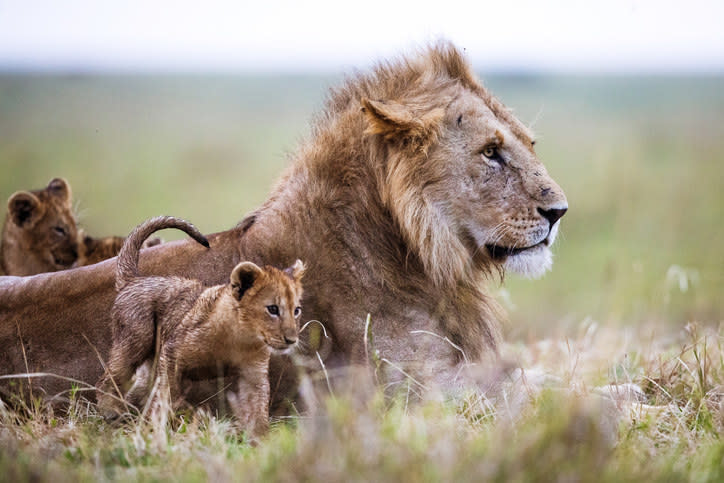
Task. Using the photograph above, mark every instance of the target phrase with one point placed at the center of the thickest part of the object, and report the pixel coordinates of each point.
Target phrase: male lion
(414, 186)
(189, 327)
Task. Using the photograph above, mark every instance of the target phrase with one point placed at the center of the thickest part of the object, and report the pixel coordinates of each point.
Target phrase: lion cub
(93, 250)
(190, 328)
(40, 234)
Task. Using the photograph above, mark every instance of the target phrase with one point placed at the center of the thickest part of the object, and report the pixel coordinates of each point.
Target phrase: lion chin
(531, 263)
(535, 261)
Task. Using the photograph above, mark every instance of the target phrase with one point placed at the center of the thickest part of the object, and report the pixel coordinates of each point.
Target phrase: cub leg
(248, 398)
(139, 391)
(127, 354)
(167, 387)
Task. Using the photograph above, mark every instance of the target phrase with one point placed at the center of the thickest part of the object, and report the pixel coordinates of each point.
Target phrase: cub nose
(290, 340)
(553, 214)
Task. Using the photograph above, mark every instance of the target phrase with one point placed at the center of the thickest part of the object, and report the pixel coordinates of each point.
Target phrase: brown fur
(93, 250)
(394, 208)
(232, 327)
(40, 234)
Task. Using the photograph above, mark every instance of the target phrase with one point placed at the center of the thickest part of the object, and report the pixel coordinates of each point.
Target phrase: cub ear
(243, 277)
(394, 120)
(60, 188)
(25, 209)
(87, 242)
(296, 271)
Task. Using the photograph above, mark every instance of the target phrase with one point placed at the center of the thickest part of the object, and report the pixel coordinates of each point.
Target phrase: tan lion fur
(229, 328)
(397, 212)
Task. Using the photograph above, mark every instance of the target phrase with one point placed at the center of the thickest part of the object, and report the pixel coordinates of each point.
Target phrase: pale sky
(333, 36)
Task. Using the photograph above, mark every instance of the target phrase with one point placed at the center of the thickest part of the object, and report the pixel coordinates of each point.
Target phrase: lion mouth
(500, 253)
(278, 347)
(280, 351)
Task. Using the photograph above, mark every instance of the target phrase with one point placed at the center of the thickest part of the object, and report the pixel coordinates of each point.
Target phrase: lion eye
(272, 309)
(297, 311)
(491, 152)
(59, 230)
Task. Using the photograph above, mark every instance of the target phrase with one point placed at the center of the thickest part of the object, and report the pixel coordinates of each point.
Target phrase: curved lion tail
(127, 263)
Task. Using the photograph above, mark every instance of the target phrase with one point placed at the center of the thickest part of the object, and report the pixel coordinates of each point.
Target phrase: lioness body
(414, 186)
(230, 329)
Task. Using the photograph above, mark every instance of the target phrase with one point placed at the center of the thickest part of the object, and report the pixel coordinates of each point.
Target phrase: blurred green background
(640, 159)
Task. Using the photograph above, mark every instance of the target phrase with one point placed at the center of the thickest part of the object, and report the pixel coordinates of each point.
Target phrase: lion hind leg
(141, 388)
(165, 390)
(127, 357)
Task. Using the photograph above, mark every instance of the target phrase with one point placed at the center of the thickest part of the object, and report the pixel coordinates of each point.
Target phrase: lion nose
(553, 214)
(290, 340)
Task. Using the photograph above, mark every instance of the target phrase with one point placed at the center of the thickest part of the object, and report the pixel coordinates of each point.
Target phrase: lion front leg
(249, 403)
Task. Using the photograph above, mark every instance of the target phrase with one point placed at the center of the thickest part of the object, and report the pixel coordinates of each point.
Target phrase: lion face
(269, 302)
(464, 183)
(492, 188)
(45, 229)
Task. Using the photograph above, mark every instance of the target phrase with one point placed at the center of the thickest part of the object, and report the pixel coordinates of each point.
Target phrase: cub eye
(59, 230)
(272, 309)
(297, 311)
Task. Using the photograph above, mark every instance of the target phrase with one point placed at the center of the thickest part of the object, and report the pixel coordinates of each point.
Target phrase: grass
(634, 297)
(560, 430)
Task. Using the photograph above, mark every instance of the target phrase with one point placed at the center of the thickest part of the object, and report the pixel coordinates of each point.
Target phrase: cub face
(269, 300)
(45, 226)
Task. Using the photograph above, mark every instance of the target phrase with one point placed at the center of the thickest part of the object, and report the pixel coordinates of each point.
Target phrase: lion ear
(60, 188)
(394, 120)
(25, 209)
(296, 271)
(243, 277)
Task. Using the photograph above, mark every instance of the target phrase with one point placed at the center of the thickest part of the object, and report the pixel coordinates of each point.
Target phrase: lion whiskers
(497, 233)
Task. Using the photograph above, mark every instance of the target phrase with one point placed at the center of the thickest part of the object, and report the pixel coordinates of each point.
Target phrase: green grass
(560, 431)
(639, 257)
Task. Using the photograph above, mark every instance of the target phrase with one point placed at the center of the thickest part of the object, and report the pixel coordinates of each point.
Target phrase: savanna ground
(635, 295)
